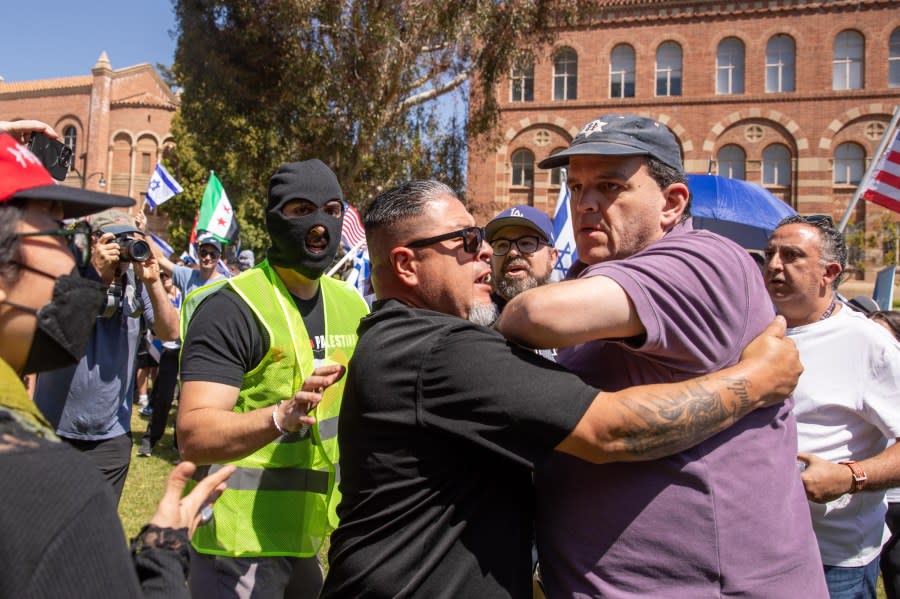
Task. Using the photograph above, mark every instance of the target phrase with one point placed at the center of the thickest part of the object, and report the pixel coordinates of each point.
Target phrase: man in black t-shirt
(443, 419)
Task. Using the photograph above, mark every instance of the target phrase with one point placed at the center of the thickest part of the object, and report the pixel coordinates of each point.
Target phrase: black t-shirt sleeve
(223, 341)
(476, 385)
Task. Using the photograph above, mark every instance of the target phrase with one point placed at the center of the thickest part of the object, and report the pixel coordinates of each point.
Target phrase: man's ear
(832, 272)
(405, 266)
(676, 196)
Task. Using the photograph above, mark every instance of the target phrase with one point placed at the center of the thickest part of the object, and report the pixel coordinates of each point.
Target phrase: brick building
(790, 94)
(117, 121)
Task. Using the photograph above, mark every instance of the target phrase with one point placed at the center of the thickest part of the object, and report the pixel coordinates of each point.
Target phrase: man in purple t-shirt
(655, 301)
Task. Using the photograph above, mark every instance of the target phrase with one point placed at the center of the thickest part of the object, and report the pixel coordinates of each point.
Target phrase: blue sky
(55, 38)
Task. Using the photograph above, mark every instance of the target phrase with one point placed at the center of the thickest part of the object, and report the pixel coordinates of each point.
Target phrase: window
(894, 59)
(849, 163)
(731, 161)
(522, 84)
(847, 61)
(780, 64)
(556, 173)
(70, 138)
(523, 168)
(776, 165)
(145, 163)
(565, 75)
(668, 69)
(621, 72)
(730, 67)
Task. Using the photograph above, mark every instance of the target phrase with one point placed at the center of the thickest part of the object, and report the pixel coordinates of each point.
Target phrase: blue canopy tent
(741, 211)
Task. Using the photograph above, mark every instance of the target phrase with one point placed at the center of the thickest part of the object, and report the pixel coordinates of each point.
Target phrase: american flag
(352, 233)
(883, 187)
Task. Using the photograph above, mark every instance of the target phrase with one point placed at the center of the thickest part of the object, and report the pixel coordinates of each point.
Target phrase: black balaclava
(310, 180)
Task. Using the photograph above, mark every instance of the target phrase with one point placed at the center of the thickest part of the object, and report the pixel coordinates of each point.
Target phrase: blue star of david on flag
(162, 187)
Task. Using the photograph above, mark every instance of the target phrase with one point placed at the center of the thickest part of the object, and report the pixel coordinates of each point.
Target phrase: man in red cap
(59, 530)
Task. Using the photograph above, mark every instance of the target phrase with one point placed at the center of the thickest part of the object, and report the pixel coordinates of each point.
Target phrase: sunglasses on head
(819, 220)
(472, 239)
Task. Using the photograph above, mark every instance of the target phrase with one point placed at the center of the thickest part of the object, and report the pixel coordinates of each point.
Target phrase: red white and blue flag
(883, 186)
(353, 234)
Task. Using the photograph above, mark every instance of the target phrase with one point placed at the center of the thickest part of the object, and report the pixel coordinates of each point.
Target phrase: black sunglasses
(472, 238)
(77, 237)
(527, 244)
(205, 253)
(819, 219)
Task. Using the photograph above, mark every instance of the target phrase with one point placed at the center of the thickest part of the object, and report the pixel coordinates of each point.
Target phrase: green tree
(354, 83)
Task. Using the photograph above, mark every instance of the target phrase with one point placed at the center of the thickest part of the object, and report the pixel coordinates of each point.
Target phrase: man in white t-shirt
(846, 402)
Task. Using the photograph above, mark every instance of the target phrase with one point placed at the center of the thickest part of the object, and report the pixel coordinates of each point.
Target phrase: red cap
(22, 176)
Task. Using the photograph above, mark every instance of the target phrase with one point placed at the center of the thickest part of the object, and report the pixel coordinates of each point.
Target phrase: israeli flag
(358, 277)
(162, 187)
(165, 247)
(563, 232)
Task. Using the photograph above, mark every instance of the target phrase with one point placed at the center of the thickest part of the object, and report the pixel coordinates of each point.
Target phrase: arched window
(565, 75)
(70, 138)
(780, 54)
(668, 69)
(731, 162)
(522, 79)
(849, 164)
(894, 59)
(776, 165)
(556, 174)
(730, 67)
(847, 61)
(523, 168)
(621, 72)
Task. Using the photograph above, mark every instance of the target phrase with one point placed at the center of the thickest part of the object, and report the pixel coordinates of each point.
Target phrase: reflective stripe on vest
(282, 499)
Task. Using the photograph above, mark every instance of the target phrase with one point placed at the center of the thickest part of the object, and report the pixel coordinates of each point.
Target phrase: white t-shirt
(847, 405)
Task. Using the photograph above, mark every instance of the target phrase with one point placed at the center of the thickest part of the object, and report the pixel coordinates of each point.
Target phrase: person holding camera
(89, 403)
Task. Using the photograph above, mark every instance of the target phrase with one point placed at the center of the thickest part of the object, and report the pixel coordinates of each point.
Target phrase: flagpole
(885, 139)
(350, 254)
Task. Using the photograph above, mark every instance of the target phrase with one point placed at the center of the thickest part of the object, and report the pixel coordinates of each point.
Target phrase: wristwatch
(859, 475)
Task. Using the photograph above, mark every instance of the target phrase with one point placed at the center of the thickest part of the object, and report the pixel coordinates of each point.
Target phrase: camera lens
(139, 250)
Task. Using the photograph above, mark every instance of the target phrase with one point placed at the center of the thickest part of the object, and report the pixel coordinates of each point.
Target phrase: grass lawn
(147, 481)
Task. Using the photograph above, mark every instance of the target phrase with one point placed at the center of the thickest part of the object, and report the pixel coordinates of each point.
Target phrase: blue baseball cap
(209, 239)
(621, 135)
(524, 216)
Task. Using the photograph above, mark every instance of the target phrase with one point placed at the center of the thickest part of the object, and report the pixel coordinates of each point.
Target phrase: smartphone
(54, 155)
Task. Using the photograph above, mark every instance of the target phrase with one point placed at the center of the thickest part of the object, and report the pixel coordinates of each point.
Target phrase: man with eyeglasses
(655, 301)
(250, 343)
(846, 401)
(443, 419)
(90, 403)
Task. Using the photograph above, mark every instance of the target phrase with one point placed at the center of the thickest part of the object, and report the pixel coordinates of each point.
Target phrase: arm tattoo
(665, 424)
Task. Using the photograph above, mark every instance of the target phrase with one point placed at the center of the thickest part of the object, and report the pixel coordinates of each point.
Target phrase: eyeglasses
(214, 253)
(472, 238)
(78, 238)
(528, 244)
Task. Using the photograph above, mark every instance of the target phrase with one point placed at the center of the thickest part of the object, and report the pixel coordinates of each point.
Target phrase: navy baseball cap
(209, 239)
(621, 135)
(524, 216)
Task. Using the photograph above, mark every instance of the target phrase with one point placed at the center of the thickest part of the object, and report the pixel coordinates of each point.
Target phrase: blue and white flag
(162, 187)
(358, 277)
(563, 232)
(165, 247)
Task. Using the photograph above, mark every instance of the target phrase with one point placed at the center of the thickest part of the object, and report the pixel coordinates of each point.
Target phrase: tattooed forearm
(660, 424)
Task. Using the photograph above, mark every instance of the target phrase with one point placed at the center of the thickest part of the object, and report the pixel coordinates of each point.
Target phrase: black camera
(54, 155)
(132, 249)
